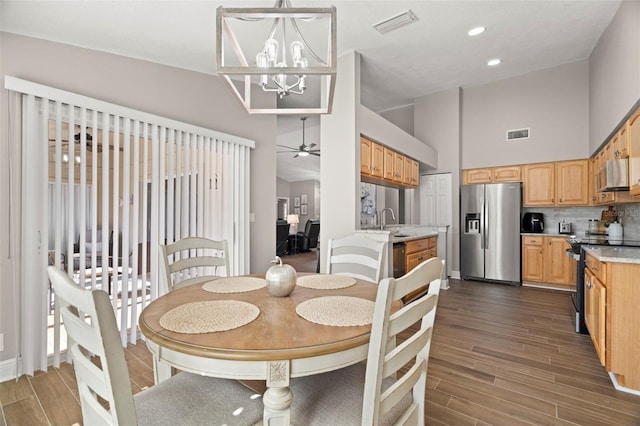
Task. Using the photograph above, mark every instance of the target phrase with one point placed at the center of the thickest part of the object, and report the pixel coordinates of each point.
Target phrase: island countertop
(615, 254)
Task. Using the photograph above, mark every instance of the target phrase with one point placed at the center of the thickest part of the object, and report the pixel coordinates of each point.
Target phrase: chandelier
(286, 51)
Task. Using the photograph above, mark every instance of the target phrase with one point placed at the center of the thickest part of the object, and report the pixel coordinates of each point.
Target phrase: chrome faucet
(382, 216)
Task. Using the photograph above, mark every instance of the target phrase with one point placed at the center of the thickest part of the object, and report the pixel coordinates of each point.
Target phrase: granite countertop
(400, 233)
(615, 254)
(545, 234)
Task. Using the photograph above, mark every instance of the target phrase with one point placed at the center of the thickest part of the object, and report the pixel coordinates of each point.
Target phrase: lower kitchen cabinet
(532, 259)
(544, 261)
(612, 297)
(595, 296)
(416, 252)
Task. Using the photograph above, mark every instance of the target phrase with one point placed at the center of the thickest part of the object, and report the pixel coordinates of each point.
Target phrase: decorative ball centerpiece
(281, 279)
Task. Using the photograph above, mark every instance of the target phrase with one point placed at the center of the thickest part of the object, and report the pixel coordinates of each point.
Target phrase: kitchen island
(612, 317)
(417, 243)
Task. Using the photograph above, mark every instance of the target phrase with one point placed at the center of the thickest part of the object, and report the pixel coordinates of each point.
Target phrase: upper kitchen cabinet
(633, 141)
(371, 158)
(476, 176)
(492, 175)
(381, 165)
(398, 167)
(563, 183)
(365, 156)
(572, 183)
(389, 156)
(539, 188)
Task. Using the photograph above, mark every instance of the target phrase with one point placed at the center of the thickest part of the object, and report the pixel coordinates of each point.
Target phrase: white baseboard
(455, 275)
(7, 370)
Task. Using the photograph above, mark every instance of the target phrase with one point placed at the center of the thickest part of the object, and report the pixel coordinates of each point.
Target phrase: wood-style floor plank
(59, 404)
(26, 411)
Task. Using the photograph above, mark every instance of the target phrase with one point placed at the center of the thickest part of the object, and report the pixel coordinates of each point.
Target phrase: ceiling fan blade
(295, 156)
(317, 154)
(288, 147)
(311, 146)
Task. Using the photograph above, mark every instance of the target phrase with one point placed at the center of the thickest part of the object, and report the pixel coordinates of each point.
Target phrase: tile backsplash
(628, 214)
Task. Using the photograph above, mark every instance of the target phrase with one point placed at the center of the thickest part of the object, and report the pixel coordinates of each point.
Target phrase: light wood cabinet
(384, 166)
(633, 141)
(562, 183)
(398, 167)
(492, 175)
(407, 170)
(572, 183)
(544, 261)
(415, 173)
(532, 259)
(595, 296)
(612, 297)
(539, 188)
(476, 176)
(388, 163)
(507, 174)
(377, 160)
(365, 156)
(559, 268)
(371, 158)
(416, 252)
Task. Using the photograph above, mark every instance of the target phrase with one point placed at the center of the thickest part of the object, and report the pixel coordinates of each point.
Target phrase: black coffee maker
(533, 222)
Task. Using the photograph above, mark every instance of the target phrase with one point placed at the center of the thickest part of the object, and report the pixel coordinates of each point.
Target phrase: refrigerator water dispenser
(472, 223)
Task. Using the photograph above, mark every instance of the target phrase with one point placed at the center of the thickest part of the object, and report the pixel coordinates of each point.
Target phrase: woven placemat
(209, 316)
(325, 281)
(234, 284)
(341, 311)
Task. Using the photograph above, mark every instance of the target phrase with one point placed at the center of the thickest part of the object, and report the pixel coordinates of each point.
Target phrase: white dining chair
(192, 260)
(371, 394)
(101, 372)
(356, 256)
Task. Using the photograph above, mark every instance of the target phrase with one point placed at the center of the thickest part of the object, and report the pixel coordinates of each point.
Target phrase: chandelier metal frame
(277, 75)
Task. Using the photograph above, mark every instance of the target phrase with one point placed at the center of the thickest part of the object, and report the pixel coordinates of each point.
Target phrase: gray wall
(437, 122)
(553, 102)
(311, 188)
(401, 117)
(614, 73)
(195, 98)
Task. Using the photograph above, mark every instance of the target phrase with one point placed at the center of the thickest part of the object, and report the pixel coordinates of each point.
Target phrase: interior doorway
(282, 208)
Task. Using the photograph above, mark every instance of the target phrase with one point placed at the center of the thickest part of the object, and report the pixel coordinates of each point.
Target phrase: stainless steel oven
(399, 259)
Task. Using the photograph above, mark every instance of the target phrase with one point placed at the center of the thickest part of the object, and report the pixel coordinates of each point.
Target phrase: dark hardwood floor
(500, 355)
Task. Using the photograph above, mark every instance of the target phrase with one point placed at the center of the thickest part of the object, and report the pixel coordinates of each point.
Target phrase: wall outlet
(1, 342)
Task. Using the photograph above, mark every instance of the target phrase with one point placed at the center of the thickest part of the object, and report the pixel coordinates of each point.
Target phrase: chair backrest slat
(91, 327)
(356, 256)
(181, 262)
(384, 358)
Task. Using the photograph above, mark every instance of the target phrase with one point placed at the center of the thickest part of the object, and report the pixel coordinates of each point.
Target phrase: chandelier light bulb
(296, 51)
(271, 49)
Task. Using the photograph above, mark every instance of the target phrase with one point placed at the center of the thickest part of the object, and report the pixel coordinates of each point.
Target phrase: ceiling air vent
(395, 22)
(513, 135)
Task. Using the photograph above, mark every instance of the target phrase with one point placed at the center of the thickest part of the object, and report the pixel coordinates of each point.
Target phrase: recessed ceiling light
(494, 62)
(476, 31)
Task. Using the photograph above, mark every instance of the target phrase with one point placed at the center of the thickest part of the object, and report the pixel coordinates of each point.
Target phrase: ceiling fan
(89, 140)
(303, 150)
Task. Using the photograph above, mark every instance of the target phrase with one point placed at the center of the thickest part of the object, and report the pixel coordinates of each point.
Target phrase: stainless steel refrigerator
(490, 232)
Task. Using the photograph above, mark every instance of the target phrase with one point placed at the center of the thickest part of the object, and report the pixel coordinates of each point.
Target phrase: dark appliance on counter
(533, 222)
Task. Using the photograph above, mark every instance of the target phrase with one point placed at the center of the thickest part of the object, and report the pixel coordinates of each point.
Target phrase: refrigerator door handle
(483, 224)
(485, 221)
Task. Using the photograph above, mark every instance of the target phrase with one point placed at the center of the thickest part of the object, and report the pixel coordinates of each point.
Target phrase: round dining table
(276, 346)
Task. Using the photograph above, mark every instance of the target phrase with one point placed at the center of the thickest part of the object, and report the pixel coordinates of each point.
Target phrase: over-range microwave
(614, 176)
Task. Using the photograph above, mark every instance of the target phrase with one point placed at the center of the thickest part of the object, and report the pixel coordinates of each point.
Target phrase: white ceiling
(430, 55)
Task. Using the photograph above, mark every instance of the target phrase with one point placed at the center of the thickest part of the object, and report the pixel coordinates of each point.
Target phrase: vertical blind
(142, 181)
